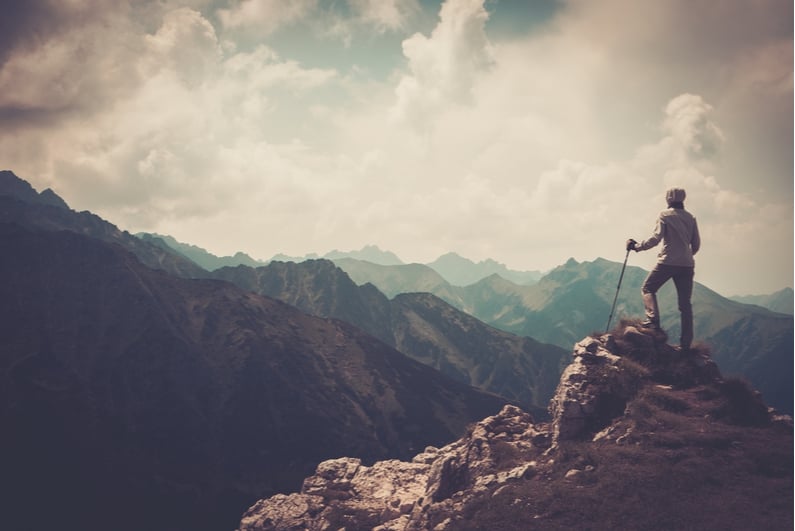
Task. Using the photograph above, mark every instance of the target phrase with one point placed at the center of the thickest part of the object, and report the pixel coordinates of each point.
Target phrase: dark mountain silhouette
(780, 301)
(574, 300)
(196, 254)
(420, 325)
(641, 436)
(13, 186)
(21, 204)
(134, 399)
(460, 271)
(176, 402)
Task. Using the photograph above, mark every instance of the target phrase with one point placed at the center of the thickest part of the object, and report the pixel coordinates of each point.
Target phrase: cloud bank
(194, 119)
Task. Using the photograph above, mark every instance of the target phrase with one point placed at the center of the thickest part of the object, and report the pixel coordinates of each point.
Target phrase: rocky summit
(641, 436)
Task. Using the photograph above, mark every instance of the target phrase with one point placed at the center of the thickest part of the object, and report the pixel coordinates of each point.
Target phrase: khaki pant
(683, 279)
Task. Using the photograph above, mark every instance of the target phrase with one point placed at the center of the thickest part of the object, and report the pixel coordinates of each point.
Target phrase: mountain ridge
(420, 325)
(780, 301)
(569, 301)
(777, 301)
(21, 204)
(133, 390)
(574, 299)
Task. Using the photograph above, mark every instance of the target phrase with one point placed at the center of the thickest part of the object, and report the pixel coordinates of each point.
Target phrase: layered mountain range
(453, 268)
(136, 382)
(420, 325)
(575, 299)
(135, 398)
(567, 303)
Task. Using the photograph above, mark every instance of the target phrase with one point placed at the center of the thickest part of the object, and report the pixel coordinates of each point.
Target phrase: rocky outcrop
(441, 488)
(391, 495)
(596, 387)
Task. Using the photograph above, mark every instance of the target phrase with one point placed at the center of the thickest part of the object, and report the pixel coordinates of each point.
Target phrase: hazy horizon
(374, 248)
(524, 132)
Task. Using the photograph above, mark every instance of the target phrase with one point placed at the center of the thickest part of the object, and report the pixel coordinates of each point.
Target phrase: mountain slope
(437, 334)
(641, 437)
(748, 340)
(196, 254)
(393, 280)
(176, 402)
(21, 204)
(780, 301)
(460, 271)
(575, 299)
(319, 288)
(420, 325)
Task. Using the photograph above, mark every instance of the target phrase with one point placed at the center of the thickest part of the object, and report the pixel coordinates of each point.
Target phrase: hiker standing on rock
(678, 231)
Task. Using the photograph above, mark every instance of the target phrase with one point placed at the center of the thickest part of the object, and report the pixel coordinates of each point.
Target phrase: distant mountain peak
(460, 271)
(368, 253)
(201, 256)
(780, 301)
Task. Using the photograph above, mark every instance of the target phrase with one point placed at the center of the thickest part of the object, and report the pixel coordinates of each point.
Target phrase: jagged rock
(404, 495)
(439, 487)
(593, 389)
(286, 512)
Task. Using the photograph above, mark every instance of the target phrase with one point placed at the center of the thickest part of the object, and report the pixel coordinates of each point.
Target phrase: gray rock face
(593, 390)
(437, 488)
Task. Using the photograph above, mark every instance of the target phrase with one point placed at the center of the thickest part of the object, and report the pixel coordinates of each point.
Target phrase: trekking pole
(617, 290)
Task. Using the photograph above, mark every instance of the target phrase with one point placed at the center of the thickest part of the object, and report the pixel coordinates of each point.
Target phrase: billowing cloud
(27, 24)
(687, 121)
(444, 67)
(75, 64)
(185, 43)
(198, 119)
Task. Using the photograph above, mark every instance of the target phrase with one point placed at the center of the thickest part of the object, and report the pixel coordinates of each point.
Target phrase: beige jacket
(678, 231)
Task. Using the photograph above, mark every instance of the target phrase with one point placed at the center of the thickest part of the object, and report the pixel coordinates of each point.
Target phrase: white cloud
(529, 150)
(687, 121)
(264, 16)
(187, 44)
(444, 67)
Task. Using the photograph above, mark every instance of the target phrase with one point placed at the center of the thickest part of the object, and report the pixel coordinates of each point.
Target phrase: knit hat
(675, 195)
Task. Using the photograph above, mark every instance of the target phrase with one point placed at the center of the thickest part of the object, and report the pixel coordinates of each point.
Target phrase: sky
(525, 131)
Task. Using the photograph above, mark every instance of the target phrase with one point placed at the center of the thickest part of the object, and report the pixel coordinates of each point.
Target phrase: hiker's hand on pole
(631, 245)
